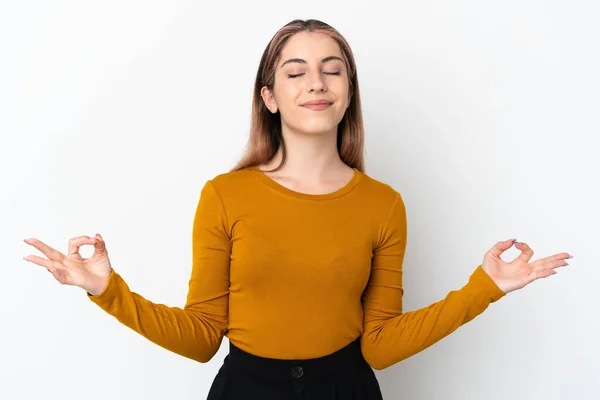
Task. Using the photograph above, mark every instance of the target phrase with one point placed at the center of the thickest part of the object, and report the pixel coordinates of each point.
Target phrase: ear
(268, 98)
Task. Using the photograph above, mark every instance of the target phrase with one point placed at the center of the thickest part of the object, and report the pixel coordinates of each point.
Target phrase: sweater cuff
(109, 292)
(482, 285)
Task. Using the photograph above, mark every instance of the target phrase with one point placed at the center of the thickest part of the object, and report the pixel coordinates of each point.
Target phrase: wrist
(98, 285)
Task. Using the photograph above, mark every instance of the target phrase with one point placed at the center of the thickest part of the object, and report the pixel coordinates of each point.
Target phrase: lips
(317, 103)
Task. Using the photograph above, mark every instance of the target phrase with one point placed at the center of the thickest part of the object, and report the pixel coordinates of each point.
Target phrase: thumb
(99, 244)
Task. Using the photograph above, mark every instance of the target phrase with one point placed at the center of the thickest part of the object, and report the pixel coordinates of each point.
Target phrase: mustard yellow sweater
(291, 275)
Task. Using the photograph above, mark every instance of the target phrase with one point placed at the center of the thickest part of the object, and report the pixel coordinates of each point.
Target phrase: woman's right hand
(91, 274)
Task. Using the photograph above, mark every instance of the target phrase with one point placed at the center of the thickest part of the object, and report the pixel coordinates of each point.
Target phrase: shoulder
(232, 182)
(388, 204)
(384, 192)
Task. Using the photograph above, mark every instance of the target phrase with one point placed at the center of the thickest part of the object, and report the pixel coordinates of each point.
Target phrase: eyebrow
(301, 61)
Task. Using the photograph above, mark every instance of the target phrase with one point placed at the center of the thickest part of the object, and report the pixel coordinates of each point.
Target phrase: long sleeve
(389, 335)
(197, 330)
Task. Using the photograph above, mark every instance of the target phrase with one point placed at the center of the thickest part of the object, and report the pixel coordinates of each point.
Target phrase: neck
(309, 155)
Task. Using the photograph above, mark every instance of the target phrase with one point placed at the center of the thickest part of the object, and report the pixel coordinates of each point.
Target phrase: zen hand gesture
(519, 272)
(90, 274)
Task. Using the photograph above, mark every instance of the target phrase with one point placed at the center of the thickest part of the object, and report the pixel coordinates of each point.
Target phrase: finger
(550, 265)
(526, 251)
(61, 275)
(48, 251)
(501, 247)
(559, 256)
(77, 242)
(556, 257)
(40, 261)
(544, 273)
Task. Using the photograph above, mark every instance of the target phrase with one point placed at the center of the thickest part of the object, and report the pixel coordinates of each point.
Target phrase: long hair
(265, 128)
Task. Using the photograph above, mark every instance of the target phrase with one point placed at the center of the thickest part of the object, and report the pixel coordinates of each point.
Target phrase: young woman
(297, 253)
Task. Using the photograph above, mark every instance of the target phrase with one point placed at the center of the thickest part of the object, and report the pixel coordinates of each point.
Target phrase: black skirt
(342, 375)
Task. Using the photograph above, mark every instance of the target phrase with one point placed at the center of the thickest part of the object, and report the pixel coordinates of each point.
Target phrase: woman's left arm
(389, 335)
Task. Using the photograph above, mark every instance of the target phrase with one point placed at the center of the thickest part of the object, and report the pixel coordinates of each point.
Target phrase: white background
(484, 115)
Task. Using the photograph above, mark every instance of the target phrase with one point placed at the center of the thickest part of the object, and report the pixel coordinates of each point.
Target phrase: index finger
(76, 243)
(48, 251)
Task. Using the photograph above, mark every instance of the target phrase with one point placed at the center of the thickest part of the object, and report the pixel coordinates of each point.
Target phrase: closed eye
(326, 73)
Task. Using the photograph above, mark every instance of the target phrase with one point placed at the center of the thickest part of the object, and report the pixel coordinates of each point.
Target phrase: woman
(301, 269)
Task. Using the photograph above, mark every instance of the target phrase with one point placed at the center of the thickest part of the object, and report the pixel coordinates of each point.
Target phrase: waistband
(347, 360)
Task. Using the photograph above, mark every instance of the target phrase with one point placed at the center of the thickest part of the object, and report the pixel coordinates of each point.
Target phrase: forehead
(309, 46)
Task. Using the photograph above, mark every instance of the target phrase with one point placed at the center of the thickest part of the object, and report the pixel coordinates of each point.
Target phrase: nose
(316, 82)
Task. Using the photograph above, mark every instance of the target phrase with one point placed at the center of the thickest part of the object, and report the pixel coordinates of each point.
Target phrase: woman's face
(310, 68)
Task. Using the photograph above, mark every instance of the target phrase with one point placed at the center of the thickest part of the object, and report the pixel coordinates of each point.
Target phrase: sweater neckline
(273, 184)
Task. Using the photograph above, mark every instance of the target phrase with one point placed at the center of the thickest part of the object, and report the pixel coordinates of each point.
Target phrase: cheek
(291, 93)
(287, 94)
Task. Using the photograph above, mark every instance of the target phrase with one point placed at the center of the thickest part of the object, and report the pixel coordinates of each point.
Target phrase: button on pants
(342, 375)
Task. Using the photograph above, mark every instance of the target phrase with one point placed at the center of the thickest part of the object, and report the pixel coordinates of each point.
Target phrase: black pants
(342, 375)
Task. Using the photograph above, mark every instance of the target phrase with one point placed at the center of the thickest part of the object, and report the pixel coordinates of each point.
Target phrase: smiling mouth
(317, 107)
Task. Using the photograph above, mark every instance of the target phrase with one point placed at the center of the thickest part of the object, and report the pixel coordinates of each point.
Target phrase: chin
(315, 125)
(317, 130)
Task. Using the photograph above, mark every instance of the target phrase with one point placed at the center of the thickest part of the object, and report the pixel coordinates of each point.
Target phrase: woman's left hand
(518, 273)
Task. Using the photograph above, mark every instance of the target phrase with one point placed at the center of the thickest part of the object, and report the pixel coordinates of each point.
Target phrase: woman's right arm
(195, 331)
